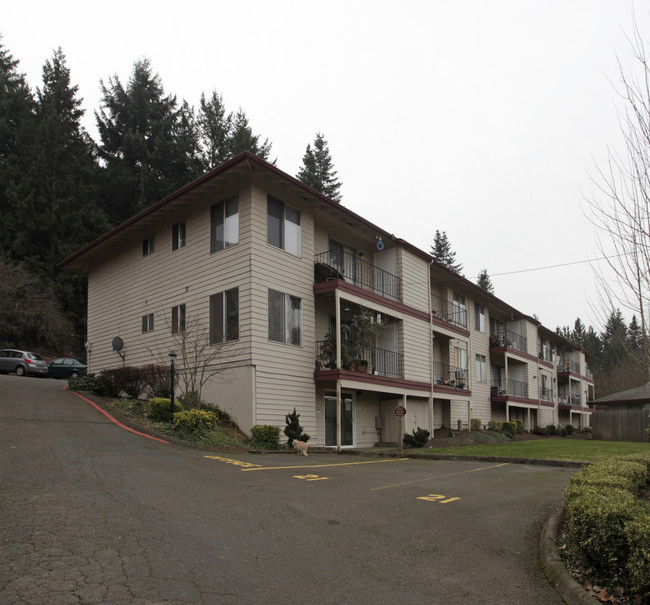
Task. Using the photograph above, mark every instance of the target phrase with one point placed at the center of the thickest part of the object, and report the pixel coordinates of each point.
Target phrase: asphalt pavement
(95, 514)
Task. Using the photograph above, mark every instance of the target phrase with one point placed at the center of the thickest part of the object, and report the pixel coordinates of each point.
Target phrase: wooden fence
(620, 425)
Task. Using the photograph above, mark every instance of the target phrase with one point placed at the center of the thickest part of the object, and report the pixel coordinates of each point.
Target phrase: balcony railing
(511, 388)
(450, 376)
(355, 270)
(568, 365)
(447, 311)
(369, 360)
(510, 339)
(546, 394)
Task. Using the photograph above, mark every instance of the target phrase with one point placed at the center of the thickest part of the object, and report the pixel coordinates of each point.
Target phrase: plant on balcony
(359, 334)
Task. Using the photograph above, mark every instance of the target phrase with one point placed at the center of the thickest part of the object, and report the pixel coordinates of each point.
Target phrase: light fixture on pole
(172, 354)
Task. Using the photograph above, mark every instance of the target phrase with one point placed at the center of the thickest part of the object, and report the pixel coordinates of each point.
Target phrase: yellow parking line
(277, 468)
(474, 470)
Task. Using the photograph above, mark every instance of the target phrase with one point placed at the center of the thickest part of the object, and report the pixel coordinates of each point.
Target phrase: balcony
(369, 360)
(569, 365)
(546, 394)
(509, 339)
(337, 264)
(511, 388)
(447, 311)
(449, 376)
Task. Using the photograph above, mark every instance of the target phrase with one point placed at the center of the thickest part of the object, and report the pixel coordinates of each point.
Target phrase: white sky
(480, 118)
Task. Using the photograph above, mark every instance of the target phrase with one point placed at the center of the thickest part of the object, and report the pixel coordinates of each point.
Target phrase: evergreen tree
(293, 430)
(578, 334)
(145, 159)
(635, 337)
(483, 280)
(317, 169)
(17, 131)
(442, 252)
(241, 138)
(615, 339)
(214, 127)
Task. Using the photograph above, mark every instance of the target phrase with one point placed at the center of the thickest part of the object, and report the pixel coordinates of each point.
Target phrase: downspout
(337, 302)
(430, 349)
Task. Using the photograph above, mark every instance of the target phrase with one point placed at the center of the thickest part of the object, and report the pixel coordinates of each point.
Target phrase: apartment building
(303, 303)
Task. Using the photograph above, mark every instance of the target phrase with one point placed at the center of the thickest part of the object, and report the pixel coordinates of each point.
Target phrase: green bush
(160, 408)
(569, 429)
(539, 430)
(495, 425)
(620, 474)
(638, 564)
(641, 457)
(90, 383)
(509, 427)
(419, 438)
(475, 424)
(192, 421)
(551, 429)
(265, 435)
(596, 518)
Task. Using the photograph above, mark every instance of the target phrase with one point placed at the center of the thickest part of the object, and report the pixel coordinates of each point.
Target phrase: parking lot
(94, 513)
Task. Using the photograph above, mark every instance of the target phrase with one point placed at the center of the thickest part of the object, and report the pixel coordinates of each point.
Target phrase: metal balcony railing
(369, 360)
(546, 394)
(447, 311)
(568, 365)
(450, 376)
(353, 269)
(511, 388)
(509, 339)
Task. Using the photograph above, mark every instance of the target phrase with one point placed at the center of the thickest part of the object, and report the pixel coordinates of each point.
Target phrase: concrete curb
(552, 566)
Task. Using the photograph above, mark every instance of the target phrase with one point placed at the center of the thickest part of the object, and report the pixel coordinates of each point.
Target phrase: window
(147, 322)
(460, 356)
(481, 368)
(224, 224)
(178, 319)
(283, 226)
(147, 246)
(224, 316)
(479, 317)
(285, 318)
(459, 310)
(178, 236)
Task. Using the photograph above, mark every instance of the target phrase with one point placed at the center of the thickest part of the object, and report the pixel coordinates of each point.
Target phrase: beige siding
(414, 276)
(417, 349)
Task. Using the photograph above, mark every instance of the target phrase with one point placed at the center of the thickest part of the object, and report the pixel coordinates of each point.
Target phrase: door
(347, 420)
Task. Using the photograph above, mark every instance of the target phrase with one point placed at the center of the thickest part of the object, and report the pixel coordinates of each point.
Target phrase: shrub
(475, 424)
(160, 408)
(641, 457)
(597, 517)
(419, 438)
(157, 380)
(293, 430)
(539, 430)
(638, 565)
(192, 421)
(495, 425)
(509, 427)
(569, 429)
(223, 416)
(551, 429)
(620, 474)
(88, 382)
(265, 435)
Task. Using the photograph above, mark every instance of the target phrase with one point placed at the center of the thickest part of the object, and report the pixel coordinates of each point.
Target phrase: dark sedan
(65, 367)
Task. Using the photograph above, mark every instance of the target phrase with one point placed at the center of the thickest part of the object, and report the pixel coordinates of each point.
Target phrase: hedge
(160, 408)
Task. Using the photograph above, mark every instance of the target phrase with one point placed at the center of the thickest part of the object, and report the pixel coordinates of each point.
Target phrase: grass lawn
(582, 450)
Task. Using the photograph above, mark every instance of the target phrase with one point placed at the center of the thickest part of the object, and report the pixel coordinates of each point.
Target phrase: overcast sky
(484, 119)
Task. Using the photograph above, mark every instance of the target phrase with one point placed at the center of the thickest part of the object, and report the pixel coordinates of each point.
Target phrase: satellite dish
(118, 344)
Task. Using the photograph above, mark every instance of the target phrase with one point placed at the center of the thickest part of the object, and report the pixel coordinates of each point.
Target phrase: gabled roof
(636, 395)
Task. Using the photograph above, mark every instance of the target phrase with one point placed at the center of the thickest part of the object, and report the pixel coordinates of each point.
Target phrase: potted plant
(359, 339)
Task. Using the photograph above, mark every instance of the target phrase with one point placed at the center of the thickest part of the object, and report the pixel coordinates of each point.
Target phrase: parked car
(22, 362)
(65, 367)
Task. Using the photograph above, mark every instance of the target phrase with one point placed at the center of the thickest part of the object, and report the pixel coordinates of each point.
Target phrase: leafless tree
(198, 360)
(620, 208)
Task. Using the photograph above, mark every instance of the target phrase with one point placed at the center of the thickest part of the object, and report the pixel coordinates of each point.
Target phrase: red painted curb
(126, 428)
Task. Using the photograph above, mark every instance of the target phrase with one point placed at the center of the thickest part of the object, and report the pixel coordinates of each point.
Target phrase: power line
(577, 262)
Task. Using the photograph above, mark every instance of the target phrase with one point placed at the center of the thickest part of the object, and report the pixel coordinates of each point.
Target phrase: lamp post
(172, 354)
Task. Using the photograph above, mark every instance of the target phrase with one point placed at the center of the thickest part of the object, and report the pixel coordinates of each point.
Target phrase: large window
(481, 368)
(459, 314)
(224, 224)
(178, 236)
(178, 319)
(283, 226)
(224, 316)
(285, 318)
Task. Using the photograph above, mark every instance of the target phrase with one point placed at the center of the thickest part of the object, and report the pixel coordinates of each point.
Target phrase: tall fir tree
(241, 138)
(483, 281)
(442, 252)
(317, 169)
(214, 127)
(145, 159)
(615, 339)
(17, 144)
